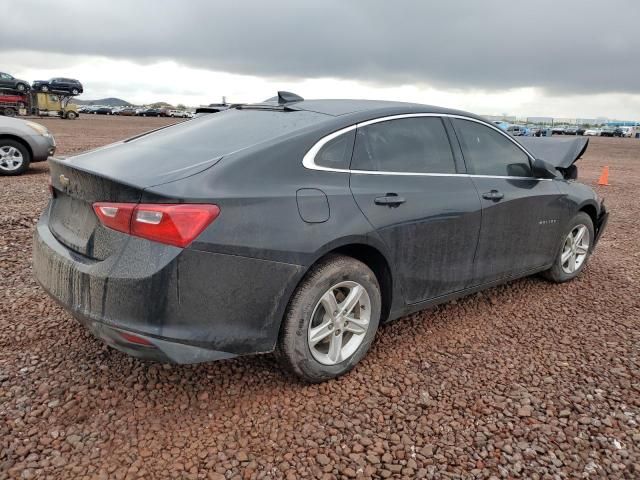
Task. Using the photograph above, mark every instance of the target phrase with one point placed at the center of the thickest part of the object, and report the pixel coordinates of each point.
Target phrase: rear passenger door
(405, 180)
(522, 216)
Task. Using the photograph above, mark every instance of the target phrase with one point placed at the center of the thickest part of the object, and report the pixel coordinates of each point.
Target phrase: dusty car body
(292, 195)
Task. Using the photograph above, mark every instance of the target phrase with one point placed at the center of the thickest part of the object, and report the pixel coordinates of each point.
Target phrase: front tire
(21, 87)
(44, 88)
(331, 320)
(14, 158)
(574, 251)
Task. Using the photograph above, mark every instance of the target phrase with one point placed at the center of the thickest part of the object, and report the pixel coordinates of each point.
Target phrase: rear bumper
(167, 304)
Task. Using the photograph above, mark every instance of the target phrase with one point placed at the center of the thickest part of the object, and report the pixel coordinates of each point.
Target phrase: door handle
(494, 195)
(390, 200)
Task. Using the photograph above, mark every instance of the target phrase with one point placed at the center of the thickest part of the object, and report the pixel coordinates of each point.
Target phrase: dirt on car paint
(527, 380)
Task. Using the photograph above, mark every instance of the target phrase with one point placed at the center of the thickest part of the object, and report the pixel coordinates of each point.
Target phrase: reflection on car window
(411, 145)
(337, 152)
(488, 152)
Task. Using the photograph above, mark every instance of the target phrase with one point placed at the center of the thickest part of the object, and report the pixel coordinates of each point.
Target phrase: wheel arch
(592, 210)
(373, 257)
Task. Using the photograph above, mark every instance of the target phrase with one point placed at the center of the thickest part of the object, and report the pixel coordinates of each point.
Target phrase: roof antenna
(288, 97)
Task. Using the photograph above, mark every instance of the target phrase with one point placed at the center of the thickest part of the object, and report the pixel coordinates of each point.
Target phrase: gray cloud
(569, 46)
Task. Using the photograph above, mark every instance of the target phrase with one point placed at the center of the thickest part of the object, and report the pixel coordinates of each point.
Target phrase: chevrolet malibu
(301, 225)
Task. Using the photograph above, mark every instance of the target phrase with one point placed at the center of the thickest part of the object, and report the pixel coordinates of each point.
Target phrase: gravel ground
(528, 380)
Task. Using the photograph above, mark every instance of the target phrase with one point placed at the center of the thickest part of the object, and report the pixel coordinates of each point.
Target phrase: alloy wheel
(339, 323)
(10, 158)
(575, 249)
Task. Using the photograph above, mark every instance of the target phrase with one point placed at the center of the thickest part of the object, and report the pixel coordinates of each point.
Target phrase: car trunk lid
(71, 217)
(559, 152)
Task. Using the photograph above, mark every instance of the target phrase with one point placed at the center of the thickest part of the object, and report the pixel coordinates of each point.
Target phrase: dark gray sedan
(299, 226)
(21, 143)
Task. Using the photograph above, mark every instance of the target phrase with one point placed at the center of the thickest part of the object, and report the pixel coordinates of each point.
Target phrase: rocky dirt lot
(529, 380)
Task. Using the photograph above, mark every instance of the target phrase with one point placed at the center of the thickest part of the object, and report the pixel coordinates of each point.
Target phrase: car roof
(338, 107)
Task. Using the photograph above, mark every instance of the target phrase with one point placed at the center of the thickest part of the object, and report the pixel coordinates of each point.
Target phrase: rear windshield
(218, 134)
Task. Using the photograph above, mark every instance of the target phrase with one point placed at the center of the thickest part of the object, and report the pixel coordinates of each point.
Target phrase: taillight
(173, 224)
(115, 215)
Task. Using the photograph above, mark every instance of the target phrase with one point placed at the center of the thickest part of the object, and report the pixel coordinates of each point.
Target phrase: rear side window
(488, 152)
(223, 133)
(337, 152)
(408, 145)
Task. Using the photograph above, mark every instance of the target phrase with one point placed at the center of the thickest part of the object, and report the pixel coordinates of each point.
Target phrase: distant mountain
(109, 102)
(161, 105)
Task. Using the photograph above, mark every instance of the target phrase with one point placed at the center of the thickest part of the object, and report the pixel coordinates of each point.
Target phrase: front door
(404, 179)
(522, 216)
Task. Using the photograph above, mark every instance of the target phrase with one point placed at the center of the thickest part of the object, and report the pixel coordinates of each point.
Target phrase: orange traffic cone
(604, 177)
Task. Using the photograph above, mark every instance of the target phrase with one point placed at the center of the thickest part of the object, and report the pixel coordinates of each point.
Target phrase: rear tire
(44, 88)
(14, 158)
(71, 115)
(9, 112)
(74, 91)
(574, 250)
(343, 336)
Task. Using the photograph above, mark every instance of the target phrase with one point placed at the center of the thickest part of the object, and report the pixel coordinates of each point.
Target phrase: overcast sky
(570, 58)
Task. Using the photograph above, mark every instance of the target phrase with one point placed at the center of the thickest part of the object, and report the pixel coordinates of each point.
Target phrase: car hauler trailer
(38, 103)
(12, 104)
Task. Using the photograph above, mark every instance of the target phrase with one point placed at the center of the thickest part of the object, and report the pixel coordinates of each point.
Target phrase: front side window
(488, 152)
(336, 153)
(408, 145)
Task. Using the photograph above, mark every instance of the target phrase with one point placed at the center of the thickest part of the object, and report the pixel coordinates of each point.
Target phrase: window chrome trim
(308, 160)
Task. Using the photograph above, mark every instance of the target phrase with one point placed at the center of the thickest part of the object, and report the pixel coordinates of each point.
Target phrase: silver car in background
(21, 143)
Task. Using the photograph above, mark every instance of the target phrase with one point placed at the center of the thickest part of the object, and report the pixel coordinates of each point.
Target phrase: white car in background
(592, 132)
(628, 132)
(178, 113)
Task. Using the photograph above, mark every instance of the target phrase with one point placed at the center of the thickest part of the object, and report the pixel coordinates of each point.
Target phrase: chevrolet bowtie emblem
(64, 181)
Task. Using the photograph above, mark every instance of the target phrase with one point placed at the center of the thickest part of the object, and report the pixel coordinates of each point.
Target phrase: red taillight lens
(115, 215)
(177, 224)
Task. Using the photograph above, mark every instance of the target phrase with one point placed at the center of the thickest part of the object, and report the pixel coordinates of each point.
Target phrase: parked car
(302, 225)
(22, 143)
(571, 130)
(9, 82)
(608, 131)
(59, 85)
(178, 113)
(627, 132)
(152, 112)
(128, 111)
(103, 110)
(592, 132)
(518, 130)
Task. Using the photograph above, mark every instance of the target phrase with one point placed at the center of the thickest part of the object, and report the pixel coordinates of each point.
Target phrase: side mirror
(542, 169)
